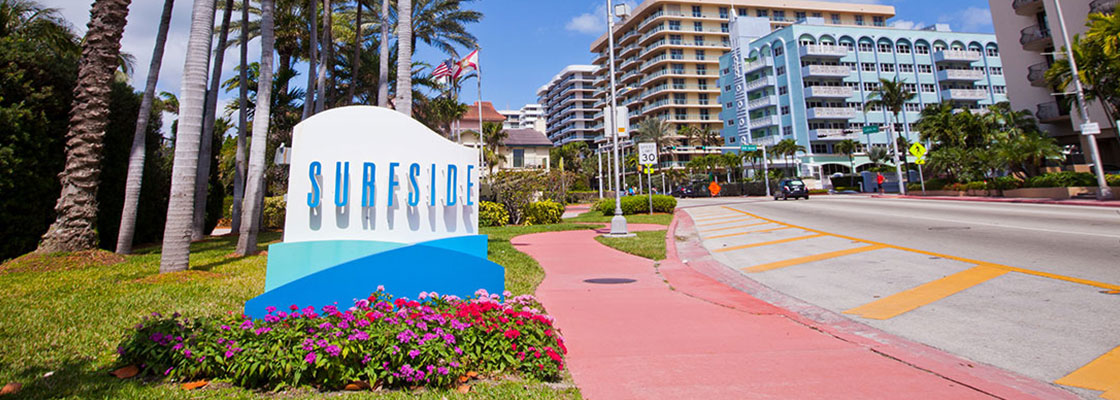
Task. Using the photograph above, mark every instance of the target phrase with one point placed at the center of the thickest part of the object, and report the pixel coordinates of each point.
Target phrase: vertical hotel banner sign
(375, 198)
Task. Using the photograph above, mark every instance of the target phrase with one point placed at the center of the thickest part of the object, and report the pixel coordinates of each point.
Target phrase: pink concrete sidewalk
(1070, 202)
(701, 338)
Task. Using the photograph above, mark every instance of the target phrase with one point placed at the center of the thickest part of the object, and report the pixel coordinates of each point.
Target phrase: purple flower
(405, 336)
(343, 325)
(187, 353)
(310, 358)
(229, 353)
(282, 314)
(443, 370)
(423, 296)
(225, 327)
(270, 319)
(270, 309)
(365, 360)
(201, 358)
(333, 350)
(458, 350)
(413, 353)
(248, 324)
(177, 347)
(263, 330)
(380, 288)
(168, 371)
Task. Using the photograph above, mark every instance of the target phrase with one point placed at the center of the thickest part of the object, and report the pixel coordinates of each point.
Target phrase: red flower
(512, 333)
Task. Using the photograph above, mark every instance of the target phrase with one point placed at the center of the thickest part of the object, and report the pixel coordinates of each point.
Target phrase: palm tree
(848, 148)
(242, 123)
(312, 59)
(180, 209)
(358, 39)
(250, 220)
(75, 226)
(404, 57)
(656, 131)
(383, 55)
(892, 96)
(788, 149)
(731, 161)
(30, 20)
(493, 135)
(325, 54)
(202, 182)
(136, 157)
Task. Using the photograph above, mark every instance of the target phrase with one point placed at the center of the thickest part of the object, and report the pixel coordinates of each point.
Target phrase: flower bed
(380, 340)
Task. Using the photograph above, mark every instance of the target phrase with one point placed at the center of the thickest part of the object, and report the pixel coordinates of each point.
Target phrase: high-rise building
(1029, 32)
(530, 116)
(809, 82)
(567, 105)
(667, 54)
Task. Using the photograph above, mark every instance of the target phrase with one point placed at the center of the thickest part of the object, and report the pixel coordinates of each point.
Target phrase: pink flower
(310, 358)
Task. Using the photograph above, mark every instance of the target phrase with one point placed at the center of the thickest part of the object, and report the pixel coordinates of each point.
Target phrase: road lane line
(909, 300)
(1100, 374)
(726, 222)
(808, 259)
(715, 218)
(779, 241)
(747, 232)
(736, 226)
(1086, 282)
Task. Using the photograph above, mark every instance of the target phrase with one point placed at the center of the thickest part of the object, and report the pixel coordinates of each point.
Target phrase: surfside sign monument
(375, 198)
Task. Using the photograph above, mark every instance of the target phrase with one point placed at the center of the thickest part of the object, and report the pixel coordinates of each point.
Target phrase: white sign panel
(622, 119)
(370, 173)
(1091, 128)
(647, 153)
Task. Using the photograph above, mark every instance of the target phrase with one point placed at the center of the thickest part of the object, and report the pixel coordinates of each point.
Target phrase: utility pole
(618, 222)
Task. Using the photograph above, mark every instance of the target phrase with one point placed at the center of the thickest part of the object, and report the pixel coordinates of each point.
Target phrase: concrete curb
(687, 251)
(1084, 203)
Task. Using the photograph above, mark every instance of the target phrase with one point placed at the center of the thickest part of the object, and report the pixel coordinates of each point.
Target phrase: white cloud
(856, 1)
(906, 24)
(971, 19)
(593, 23)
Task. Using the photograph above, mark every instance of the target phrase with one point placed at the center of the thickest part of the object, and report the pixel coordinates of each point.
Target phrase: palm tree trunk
(75, 227)
(242, 123)
(312, 58)
(250, 217)
(324, 58)
(136, 157)
(357, 64)
(206, 148)
(404, 57)
(383, 58)
(180, 208)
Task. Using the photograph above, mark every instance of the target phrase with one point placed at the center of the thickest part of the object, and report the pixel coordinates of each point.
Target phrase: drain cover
(949, 228)
(610, 281)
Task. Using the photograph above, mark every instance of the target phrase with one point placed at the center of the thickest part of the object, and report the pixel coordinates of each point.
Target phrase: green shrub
(1113, 180)
(638, 204)
(1062, 179)
(914, 187)
(1005, 183)
(274, 209)
(978, 185)
(543, 212)
(492, 214)
(936, 184)
(818, 191)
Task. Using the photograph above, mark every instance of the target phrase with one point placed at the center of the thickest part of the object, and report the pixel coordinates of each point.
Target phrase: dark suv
(791, 188)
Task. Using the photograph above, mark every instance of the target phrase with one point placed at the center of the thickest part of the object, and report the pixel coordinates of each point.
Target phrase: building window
(867, 67)
(761, 13)
(817, 15)
(799, 15)
(678, 83)
(779, 15)
(996, 70)
(871, 86)
(921, 49)
(859, 20)
(835, 19)
(884, 48)
(903, 49)
(698, 40)
(886, 67)
(787, 130)
(929, 88)
(999, 89)
(518, 158)
(780, 71)
(913, 107)
(785, 110)
(698, 26)
(701, 70)
(723, 27)
(699, 54)
(819, 148)
(848, 45)
(674, 39)
(742, 11)
(905, 68)
(778, 51)
(703, 97)
(877, 20)
(674, 25)
(702, 84)
(680, 98)
(993, 52)
(850, 65)
(678, 69)
(676, 54)
(704, 115)
(910, 87)
(723, 12)
(925, 68)
(696, 12)
(782, 90)
(679, 113)
(866, 47)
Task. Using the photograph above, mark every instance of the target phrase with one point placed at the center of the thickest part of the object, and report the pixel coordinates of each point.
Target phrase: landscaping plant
(543, 212)
(492, 214)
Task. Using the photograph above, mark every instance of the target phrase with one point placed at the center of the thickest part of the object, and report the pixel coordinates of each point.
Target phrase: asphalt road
(1024, 287)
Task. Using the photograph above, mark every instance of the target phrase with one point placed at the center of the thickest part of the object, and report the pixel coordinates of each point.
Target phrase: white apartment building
(1029, 34)
(530, 116)
(567, 106)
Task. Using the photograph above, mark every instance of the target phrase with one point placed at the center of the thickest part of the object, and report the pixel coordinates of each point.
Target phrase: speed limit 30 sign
(647, 153)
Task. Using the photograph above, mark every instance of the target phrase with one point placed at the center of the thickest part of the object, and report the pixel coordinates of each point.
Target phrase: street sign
(647, 170)
(748, 147)
(920, 161)
(647, 153)
(869, 129)
(1091, 128)
(622, 122)
(684, 148)
(918, 150)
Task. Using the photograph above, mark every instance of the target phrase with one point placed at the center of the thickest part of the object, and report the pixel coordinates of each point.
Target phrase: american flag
(443, 70)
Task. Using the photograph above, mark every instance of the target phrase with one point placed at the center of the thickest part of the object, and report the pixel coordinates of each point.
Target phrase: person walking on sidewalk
(879, 179)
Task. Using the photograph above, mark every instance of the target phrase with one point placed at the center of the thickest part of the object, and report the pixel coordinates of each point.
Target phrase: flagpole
(481, 141)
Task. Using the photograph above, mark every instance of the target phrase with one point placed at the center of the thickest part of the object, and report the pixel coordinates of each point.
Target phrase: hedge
(638, 204)
(492, 214)
(543, 212)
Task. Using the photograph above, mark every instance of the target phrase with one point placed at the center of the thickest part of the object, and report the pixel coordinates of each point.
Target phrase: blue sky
(524, 42)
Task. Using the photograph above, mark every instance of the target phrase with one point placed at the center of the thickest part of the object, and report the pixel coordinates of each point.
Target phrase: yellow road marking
(807, 259)
(779, 241)
(734, 227)
(726, 222)
(1086, 282)
(715, 218)
(1100, 374)
(747, 232)
(896, 304)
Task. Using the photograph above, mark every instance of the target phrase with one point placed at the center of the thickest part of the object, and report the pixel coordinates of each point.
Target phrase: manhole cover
(609, 281)
(949, 228)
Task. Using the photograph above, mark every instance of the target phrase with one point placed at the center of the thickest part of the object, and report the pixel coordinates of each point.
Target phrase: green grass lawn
(64, 315)
(648, 244)
(596, 216)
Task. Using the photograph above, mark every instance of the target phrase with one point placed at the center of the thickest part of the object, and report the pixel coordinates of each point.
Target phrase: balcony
(823, 50)
(1035, 38)
(954, 74)
(826, 71)
(759, 123)
(1037, 74)
(1051, 112)
(759, 83)
(828, 92)
(965, 94)
(1102, 6)
(831, 113)
(764, 101)
(757, 64)
(956, 56)
(829, 134)
(1027, 7)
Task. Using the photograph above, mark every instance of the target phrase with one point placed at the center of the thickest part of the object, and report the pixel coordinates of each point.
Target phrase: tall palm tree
(847, 147)
(312, 59)
(892, 96)
(135, 176)
(358, 39)
(75, 226)
(442, 24)
(180, 208)
(30, 20)
(242, 122)
(731, 161)
(250, 219)
(327, 48)
(657, 131)
(202, 182)
(404, 57)
(383, 55)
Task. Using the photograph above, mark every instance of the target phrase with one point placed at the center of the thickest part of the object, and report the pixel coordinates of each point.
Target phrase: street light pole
(618, 222)
(1103, 192)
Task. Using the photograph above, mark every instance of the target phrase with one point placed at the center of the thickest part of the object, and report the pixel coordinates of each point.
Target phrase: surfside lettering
(366, 195)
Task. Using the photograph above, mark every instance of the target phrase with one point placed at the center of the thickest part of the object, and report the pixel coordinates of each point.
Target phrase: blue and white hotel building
(808, 81)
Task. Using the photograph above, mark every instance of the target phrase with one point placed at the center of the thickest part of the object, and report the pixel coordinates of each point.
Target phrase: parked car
(683, 191)
(791, 188)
